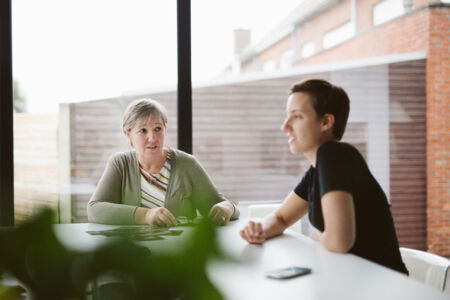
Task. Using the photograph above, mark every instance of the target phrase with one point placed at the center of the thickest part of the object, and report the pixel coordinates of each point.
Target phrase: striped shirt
(154, 186)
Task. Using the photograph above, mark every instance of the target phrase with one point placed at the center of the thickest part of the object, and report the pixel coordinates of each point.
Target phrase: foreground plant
(48, 270)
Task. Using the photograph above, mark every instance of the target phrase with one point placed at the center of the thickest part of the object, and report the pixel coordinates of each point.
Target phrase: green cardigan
(118, 192)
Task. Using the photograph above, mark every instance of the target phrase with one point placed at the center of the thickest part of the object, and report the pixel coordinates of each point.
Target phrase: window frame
(6, 118)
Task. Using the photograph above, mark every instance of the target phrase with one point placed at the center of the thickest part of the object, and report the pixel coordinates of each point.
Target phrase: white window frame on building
(387, 10)
(338, 35)
(269, 66)
(308, 49)
(286, 59)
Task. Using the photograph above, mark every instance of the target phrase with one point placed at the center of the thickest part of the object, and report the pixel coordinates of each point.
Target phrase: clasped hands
(219, 214)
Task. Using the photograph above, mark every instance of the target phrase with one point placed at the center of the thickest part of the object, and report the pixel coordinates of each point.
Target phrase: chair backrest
(426, 267)
(262, 210)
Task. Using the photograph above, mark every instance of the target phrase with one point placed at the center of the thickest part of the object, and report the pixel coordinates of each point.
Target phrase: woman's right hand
(160, 216)
(253, 233)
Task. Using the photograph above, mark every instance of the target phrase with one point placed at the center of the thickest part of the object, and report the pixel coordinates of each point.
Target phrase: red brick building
(321, 32)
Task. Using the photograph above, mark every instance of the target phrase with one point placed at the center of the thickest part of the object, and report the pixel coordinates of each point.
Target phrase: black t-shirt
(340, 166)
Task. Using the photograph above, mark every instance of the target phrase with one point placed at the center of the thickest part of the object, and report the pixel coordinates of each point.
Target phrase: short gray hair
(141, 109)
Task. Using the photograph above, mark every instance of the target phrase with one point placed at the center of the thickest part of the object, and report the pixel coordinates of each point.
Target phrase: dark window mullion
(6, 118)
(184, 92)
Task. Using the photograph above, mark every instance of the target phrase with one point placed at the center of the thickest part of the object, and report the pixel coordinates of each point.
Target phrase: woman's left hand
(221, 212)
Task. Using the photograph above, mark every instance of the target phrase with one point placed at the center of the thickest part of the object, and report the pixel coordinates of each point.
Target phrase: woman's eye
(142, 130)
(158, 129)
(296, 117)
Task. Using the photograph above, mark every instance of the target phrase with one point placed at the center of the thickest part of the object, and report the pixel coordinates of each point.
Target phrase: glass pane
(243, 67)
(237, 121)
(76, 65)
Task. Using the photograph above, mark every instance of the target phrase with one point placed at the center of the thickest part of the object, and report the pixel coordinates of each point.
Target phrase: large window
(236, 131)
(238, 109)
(76, 65)
(76, 69)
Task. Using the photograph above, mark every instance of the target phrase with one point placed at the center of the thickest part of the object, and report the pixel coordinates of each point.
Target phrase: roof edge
(301, 70)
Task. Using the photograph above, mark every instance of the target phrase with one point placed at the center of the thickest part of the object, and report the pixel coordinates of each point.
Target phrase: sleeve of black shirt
(334, 168)
(302, 188)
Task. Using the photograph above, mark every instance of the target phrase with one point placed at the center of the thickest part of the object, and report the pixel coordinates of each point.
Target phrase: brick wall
(307, 33)
(364, 14)
(314, 29)
(402, 35)
(276, 51)
(338, 15)
(407, 34)
(418, 3)
(438, 131)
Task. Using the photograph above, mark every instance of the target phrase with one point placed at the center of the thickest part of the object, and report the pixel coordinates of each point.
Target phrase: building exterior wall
(338, 15)
(314, 29)
(276, 51)
(364, 15)
(438, 131)
(403, 35)
(419, 3)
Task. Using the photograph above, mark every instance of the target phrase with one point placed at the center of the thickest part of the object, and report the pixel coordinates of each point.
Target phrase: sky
(78, 50)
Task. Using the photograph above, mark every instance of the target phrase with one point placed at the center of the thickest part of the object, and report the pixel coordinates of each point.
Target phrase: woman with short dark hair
(344, 201)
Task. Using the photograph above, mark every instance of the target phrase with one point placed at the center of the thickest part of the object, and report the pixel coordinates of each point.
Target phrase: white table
(334, 276)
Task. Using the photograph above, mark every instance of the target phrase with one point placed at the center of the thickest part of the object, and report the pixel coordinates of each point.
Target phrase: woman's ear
(327, 121)
(128, 137)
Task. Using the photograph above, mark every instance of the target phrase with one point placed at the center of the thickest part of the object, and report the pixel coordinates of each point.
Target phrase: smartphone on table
(288, 272)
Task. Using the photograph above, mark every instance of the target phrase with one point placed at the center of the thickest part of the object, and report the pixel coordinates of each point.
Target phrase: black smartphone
(289, 272)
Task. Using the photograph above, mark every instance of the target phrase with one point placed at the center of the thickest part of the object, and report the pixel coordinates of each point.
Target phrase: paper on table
(140, 233)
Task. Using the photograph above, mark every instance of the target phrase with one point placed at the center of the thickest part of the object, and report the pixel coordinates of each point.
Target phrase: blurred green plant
(48, 270)
(10, 292)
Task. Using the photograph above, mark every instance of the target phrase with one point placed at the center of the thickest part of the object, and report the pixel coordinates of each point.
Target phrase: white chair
(426, 267)
(262, 210)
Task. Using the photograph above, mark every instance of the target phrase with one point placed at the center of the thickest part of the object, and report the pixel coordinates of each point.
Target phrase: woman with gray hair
(154, 184)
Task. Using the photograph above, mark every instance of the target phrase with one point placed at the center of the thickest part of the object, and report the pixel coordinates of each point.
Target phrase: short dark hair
(326, 98)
